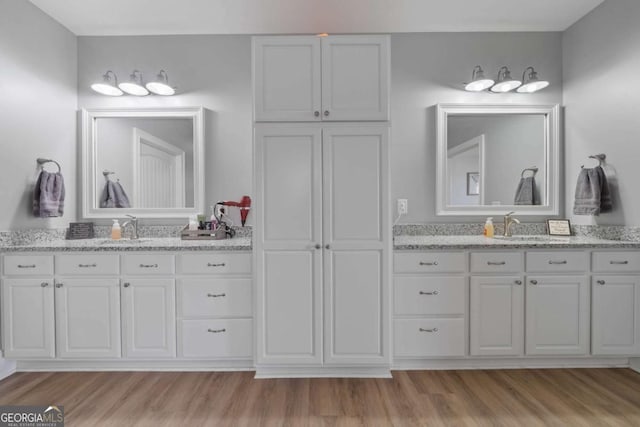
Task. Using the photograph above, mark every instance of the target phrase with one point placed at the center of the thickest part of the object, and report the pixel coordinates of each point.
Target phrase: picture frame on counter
(559, 227)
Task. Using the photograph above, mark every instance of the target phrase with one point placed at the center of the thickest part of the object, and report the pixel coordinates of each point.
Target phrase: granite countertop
(125, 245)
(405, 242)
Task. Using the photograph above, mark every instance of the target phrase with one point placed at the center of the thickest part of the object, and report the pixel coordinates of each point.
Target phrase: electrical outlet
(403, 206)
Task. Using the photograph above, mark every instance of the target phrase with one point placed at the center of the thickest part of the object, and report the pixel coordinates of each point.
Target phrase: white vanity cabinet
(322, 245)
(311, 78)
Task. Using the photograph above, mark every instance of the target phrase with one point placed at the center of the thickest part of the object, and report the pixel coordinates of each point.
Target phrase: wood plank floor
(567, 397)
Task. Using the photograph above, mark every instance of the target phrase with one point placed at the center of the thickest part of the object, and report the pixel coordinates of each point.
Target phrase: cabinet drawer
(88, 264)
(429, 295)
(28, 265)
(429, 337)
(211, 263)
(497, 262)
(557, 262)
(612, 262)
(214, 298)
(203, 339)
(430, 262)
(143, 264)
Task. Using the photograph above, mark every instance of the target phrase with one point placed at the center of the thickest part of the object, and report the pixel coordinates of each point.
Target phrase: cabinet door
(87, 318)
(288, 229)
(148, 318)
(286, 78)
(616, 315)
(557, 321)
(355, 78)
(356, 237)
(497, 316)
(28, 319)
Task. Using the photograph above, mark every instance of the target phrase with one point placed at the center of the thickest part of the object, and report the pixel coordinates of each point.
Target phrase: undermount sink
(124, 241)
(535, 238)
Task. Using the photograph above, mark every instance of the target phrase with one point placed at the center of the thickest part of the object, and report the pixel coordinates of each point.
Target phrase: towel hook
(533, 169)
(41, 161)
(599, 157)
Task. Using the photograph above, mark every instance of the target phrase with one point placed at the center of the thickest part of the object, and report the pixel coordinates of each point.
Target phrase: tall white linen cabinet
(322, 240)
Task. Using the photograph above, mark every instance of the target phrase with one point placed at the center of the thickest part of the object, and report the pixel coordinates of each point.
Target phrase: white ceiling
(138, 17)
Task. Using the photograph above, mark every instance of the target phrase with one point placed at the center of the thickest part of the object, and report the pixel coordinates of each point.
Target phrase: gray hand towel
(525, 193)
(113, 196)
(592, 192)
(48, 196)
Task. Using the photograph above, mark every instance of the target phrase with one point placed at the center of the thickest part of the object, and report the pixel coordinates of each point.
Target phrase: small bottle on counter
(488, 228)
(116, 231)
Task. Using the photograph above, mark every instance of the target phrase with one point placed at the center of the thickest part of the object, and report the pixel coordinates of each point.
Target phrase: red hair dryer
(244, 205)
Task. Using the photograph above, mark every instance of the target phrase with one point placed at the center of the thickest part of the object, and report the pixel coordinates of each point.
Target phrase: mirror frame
(89, 187)
(551, 205)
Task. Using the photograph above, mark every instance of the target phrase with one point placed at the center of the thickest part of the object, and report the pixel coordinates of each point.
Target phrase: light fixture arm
(524, 73)
(476, 70)
(502, 72)
(135, 75)
(106, 77)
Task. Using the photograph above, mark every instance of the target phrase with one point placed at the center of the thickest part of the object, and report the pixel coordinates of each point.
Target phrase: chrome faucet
(508, 222)
(133, 222)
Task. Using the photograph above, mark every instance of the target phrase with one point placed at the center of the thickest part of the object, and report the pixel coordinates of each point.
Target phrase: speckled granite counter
(144, 244)
(405, 242)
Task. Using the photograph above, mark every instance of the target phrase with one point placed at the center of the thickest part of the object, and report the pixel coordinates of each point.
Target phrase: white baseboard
(7, 368)
(511, 363)
(263, 372)
(635, 364)
(68, 365)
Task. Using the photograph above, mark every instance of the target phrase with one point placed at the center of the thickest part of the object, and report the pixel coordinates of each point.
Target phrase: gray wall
(602, 101)
(210, 71)
(38, 69)
(427, 69)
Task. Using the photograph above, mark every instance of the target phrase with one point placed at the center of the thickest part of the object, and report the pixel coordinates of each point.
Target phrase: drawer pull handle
(126, 284)
(518, 282)
(601, 282)
(216, 295)
(59, 285)
(222, 264)
(87, 265)
(216, 331)
(558, 262)
(618, 262)
(44, 284)
(27, 266)
(429, 263)
(429, 330)
(429, 293)
(533, 282)
(496, 262)
(148, 265)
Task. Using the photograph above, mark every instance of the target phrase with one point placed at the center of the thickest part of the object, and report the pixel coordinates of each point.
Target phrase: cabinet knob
(533, 282)
(210, 295)
(44, 284)
(429, 293)
(316, 113)
(327, 247)
(216, 331)
(318, 246)
(326, 113)
(126, 284)
(496, 262)
(429, 263)
(518, 282)
(59, 285)
(601, 282)
(429, 330)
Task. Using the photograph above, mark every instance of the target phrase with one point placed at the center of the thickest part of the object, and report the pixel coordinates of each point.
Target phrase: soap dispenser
(488, 227)
(116, 231)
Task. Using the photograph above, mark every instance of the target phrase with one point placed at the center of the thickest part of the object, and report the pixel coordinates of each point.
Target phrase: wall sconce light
(160, 86)
(478, 81)
(531, 83)
(134, 86)
(505, 82)
(107, 86)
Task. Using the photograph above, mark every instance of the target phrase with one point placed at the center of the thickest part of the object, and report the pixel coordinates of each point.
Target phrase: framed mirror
(143, 162)
(493, 159)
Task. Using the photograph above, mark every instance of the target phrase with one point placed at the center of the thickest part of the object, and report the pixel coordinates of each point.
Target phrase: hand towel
(525, 193)
(48, 196)
(592, 192)
(113, 196)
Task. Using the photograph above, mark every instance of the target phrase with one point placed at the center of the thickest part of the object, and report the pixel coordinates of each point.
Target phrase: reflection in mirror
(143, 162)
(495, 159)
